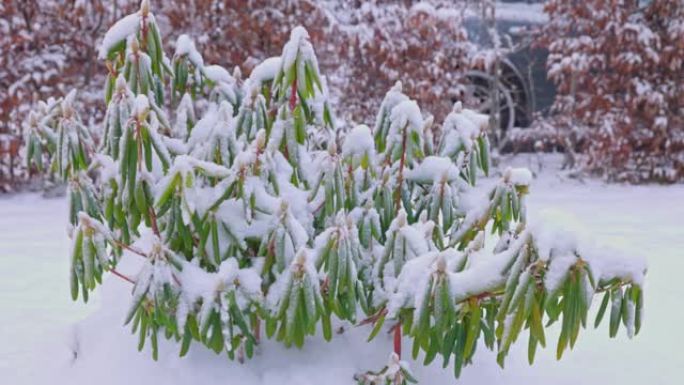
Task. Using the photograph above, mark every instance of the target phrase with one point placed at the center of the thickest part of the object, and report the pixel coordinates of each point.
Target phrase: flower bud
(261, 139)
(145, 7)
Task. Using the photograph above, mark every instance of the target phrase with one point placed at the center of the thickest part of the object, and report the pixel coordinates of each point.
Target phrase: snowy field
(46, 338)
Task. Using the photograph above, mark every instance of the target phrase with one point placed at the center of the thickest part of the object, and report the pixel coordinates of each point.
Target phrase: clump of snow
(557, 270)
(433, 169)
(608, 263)
(406, 114)
(266, 70)
(393, 97)
(122, 29)
(304, 262)
(562, 250)
(108, 169)
(358, 141)
(297, 45)
(415, 275)
(218, 74)
(186, 47)
(199, 284)
(487, 273)
(461, 127)
(141, 106)
(518, 176)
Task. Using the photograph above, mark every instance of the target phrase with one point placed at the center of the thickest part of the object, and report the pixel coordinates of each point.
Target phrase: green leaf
(216, 341)
(562, 343)
(459, 357)
(536, 327)
(327, 326)
(115, 49)
(155, 345)
(168, 191)
(483, 151)
(433, 348)
(299, 125)
(602, 309)
(531, 349)
(473, 328)
(144, 323)
(76, 260)
(638, 293)
(271, 325)
(448, 343)
(615, 311)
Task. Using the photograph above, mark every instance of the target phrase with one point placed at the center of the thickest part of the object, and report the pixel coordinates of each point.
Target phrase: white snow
(406, 113)
(519, 176)
(218, 74)
(185, 46)
(42, 328)
(412, 281)
(141, 106)
(433, 169)
(123, 28)
(108, 169)
(461, 127)
(393, 97)
(297, 45)
(359, 141)
(200, 284)
(266, 70)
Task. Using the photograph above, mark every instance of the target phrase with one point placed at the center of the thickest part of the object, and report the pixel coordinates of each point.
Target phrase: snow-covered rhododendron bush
(255, 218)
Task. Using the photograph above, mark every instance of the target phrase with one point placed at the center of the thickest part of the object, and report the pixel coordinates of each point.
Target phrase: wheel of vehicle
(519, 89)
(479, 96)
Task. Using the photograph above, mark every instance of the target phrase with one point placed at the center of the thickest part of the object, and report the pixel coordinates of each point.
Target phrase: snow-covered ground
(45, 338)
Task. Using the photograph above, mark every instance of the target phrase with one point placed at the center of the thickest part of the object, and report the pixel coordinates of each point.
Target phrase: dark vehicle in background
(524, 90)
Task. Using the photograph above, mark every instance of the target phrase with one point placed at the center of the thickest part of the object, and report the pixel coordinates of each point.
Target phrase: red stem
(125, 278)
(397, 339)
(293, 94)
(143, 42)
(129, 248)
(153, 219)
(374, 318)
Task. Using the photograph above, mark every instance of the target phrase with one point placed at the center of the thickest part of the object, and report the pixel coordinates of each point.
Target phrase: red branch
(374, 318)
(129, 248)
(293, 94)
(397, 339)
(153, 219)
(125, 278)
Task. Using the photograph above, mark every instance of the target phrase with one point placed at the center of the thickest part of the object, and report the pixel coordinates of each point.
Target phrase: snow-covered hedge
(255, 215)
(618, 68)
